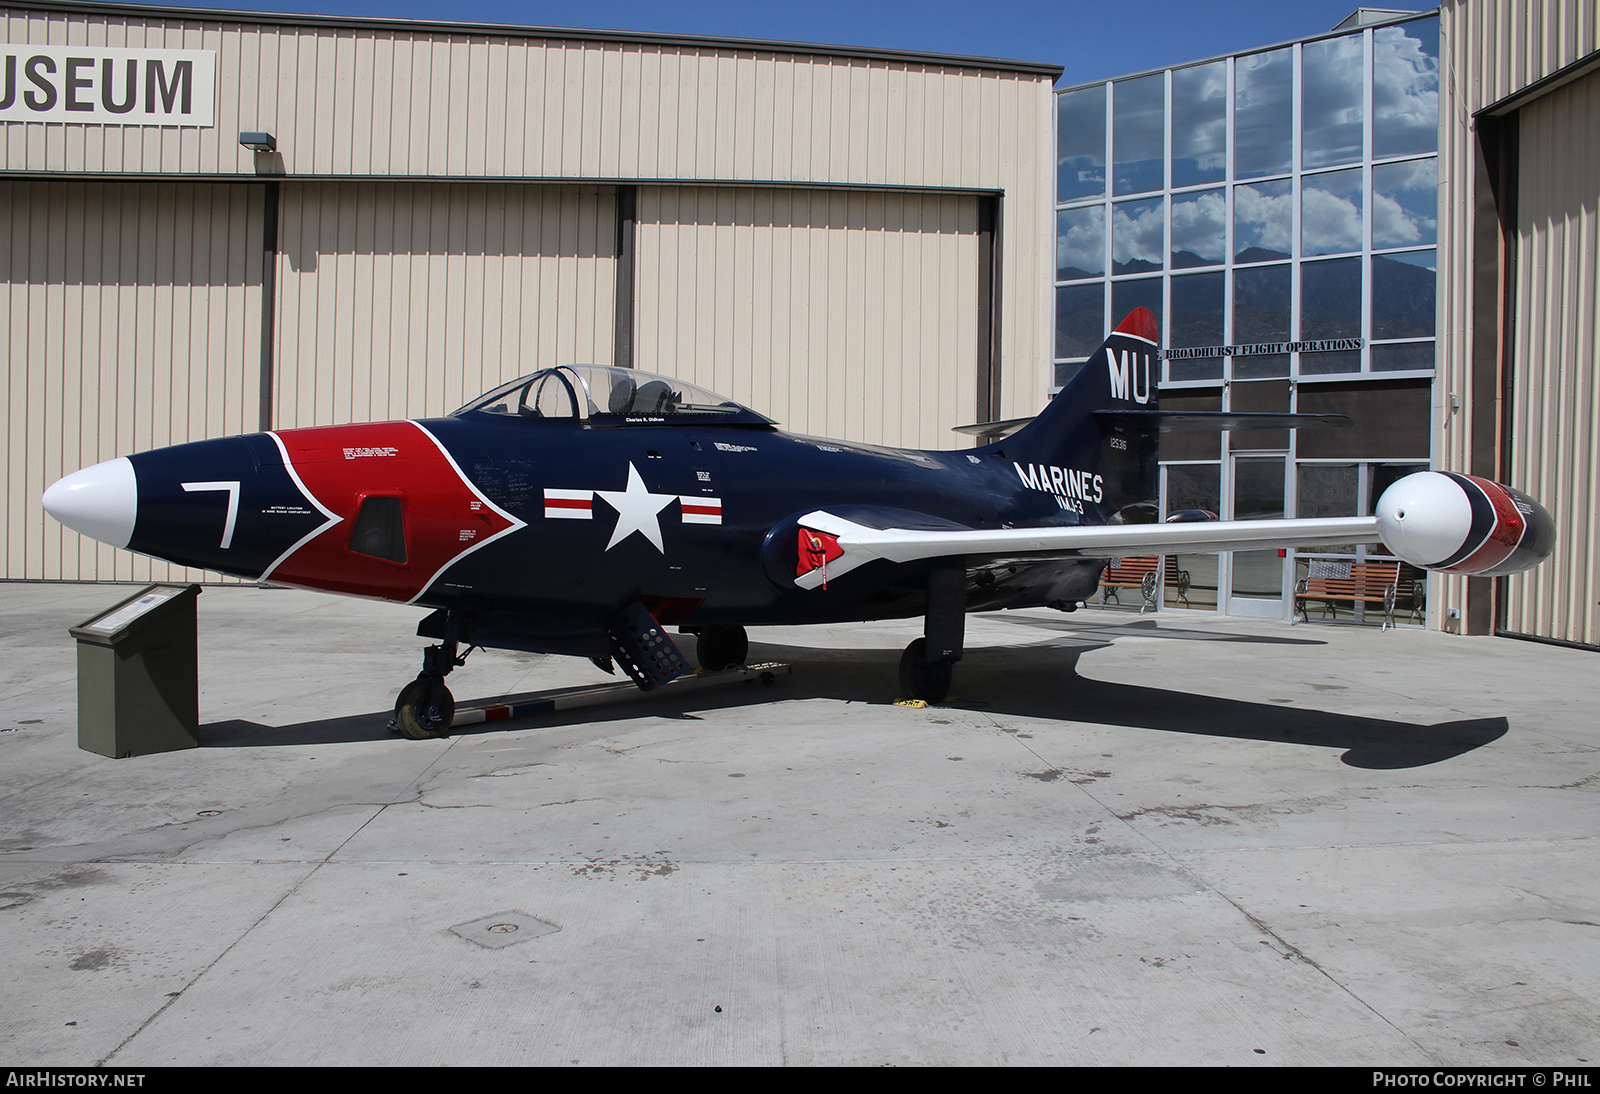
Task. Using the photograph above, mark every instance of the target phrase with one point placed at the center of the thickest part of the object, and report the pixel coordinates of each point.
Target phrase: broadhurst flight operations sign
(1255, 349)
(102, 85)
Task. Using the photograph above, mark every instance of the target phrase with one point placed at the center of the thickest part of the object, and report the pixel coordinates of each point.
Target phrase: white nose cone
(100, 501)
(1424, 518)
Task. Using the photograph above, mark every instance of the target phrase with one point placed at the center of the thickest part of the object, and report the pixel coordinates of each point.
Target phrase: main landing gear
(928, 664)
(426, 708)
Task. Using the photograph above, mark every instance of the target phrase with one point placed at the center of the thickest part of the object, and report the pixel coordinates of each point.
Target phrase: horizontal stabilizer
(992, 430)
(1173, 421)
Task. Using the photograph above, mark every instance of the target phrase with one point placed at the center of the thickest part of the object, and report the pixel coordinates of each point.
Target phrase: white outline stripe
(516, 524)
(288, 465)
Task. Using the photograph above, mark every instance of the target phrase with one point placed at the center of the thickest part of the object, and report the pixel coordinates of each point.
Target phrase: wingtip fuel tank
(1463, 524)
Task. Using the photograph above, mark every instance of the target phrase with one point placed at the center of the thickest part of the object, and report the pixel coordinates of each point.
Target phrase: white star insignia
(636, 510)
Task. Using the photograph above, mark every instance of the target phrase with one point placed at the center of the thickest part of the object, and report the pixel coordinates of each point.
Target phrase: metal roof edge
(1406, 18)
(506, 30)
(1578, 69)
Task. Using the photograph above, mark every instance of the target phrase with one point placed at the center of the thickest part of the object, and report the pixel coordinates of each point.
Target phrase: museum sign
(101, 85)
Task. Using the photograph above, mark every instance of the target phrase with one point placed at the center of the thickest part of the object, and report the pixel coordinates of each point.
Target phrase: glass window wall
(1263, 221)
(1263, 114)
(1200, 124)
(1277, 211)
(1405, 204)
(1405, 89)
(1261, 304)
(1138, 235)
(1139, 130)
(1080, 243)
(1332, 90)
(1330, 213)
(1199, 229)
(1081, 143)
(1341, 225)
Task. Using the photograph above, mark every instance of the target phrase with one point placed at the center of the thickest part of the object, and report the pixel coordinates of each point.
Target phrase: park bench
(1335, 582)
(1140, 573)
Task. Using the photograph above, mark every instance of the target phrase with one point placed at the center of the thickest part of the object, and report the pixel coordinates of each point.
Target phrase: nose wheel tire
(719, 648)
(415, 714)
(925, 680)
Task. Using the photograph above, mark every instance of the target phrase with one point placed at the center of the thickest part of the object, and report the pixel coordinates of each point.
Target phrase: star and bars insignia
(638, 510)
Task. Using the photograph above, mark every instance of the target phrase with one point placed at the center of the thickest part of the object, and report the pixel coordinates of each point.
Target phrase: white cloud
(1082, 241)
(1393, 225)
(1263, 219)
(1405, 93)
(1330, 223)
(1137, 232)
(1199, 225)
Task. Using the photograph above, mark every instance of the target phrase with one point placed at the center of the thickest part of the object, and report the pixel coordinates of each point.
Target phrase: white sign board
(124, 614)
(101, 85)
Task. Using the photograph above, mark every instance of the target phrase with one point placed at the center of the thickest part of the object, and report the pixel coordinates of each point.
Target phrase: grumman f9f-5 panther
(584, 509)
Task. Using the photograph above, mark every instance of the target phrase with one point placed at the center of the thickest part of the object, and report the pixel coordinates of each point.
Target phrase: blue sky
(1090, 40)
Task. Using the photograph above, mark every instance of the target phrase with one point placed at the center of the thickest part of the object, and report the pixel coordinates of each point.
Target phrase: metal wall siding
(851, 314)
(132, 318)
(838, 311)
(1489, 51)
(405, 300)
(1555, 403)
(354, 101)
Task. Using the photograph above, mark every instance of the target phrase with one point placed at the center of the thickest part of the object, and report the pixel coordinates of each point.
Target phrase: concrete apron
(1160, 840)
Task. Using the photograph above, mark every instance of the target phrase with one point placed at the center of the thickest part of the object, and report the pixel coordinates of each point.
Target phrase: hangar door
(1554, 406)
(838, 313)
(132, 320)
(405, 300)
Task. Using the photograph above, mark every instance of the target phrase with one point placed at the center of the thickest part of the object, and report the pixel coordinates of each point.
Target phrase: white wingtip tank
(1463, 524)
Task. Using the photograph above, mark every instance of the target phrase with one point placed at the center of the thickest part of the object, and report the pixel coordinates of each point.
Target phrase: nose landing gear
(420, 714)
(425, 708)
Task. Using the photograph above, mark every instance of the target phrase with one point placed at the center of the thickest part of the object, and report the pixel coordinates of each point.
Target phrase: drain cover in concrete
(503, 929)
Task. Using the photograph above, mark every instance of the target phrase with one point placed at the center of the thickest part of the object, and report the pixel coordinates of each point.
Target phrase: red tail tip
(1141, 323)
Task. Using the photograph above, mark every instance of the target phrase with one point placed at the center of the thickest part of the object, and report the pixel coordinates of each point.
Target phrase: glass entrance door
(1255, 580)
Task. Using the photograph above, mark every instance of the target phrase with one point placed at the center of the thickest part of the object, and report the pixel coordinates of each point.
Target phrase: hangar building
(1396, 220)
(1518, 391)
(854, 241)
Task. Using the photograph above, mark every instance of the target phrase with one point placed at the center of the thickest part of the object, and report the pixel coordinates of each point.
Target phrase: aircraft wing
(858, 543)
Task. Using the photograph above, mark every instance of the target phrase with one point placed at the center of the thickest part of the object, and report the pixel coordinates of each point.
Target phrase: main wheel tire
(925, 680)
(718, 648)
(415, 716)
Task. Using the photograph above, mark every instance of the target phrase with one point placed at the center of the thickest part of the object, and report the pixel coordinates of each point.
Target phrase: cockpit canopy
(602, 395)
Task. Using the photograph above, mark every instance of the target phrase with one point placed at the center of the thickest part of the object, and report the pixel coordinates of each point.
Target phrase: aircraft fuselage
(552, 519)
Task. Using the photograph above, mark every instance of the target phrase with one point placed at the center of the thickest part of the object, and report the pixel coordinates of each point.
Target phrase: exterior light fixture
(259, 142)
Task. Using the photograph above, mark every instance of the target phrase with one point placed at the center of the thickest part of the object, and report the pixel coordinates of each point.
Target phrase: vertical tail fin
(1072, 435)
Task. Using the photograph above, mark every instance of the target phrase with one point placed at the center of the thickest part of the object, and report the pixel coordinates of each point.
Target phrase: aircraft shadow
(1037, 681)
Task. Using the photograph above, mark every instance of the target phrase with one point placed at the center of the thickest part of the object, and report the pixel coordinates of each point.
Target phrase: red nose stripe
(445, 516)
